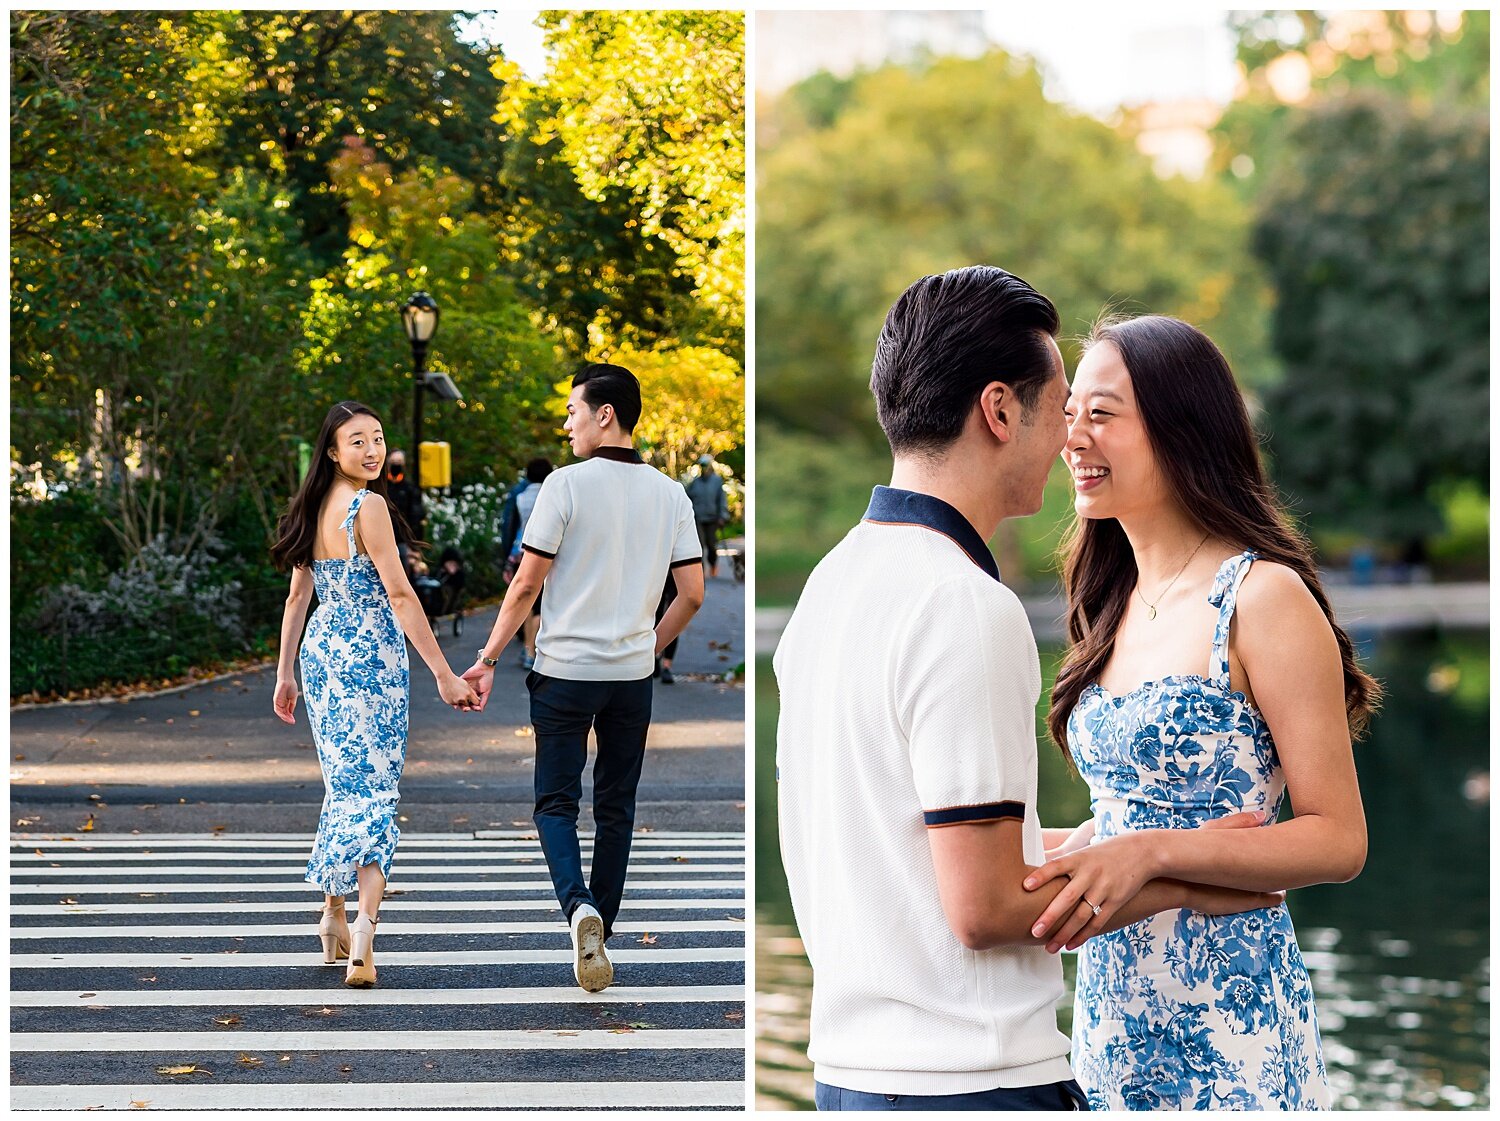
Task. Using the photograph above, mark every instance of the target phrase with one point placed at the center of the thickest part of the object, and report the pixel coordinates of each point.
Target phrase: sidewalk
(216, 758)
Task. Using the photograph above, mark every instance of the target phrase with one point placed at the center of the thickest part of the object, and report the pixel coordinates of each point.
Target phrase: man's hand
(1104, 877)
(482, 679)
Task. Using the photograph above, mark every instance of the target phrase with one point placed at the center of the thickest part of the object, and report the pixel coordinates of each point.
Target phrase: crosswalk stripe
(735, 903)
(541, 1039)
(488, 1096)
(29, 857)
(294, 873)
(255, 893)
(401, 885)
(238, 998)
(302, 840)
(387, 928)
(475, 958)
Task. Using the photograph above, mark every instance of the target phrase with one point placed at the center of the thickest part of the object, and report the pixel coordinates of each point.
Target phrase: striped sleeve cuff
(965, 815)
(539, 552)
(685, 562)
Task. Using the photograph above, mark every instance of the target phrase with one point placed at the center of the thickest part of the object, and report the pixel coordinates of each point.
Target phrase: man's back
(908, 679)
(613, 526)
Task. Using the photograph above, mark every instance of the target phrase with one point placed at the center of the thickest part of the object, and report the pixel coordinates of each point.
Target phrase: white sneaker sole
(591, 965)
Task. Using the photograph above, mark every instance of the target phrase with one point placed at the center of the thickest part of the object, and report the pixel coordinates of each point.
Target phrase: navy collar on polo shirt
(624, 455)
(890, 506)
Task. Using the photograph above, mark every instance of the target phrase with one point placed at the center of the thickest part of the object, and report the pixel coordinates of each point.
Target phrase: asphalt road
(214, 757)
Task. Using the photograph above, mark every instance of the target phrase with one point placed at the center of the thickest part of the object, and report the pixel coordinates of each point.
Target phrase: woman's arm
(284, 700)
(373, 524)
(1060, 842)
(1289, 655)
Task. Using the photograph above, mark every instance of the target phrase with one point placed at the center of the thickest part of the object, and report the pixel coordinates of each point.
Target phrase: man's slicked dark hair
(945, 339)
(604, 384)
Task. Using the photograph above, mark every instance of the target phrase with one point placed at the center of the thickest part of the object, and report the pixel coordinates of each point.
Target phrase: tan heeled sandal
(333, 932)
(361, 973)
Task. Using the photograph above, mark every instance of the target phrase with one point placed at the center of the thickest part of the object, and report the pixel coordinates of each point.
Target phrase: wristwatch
(491, 662)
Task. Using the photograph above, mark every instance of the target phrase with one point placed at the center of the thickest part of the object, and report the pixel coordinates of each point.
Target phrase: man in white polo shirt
(906, 747)
(603, 535)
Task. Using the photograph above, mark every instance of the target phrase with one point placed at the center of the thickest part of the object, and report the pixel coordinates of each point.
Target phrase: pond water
(1399, 957)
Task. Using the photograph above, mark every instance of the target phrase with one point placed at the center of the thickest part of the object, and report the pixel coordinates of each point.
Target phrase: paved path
(134, 953)
(215, 757)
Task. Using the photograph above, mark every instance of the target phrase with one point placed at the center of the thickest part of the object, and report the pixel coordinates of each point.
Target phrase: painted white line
(474, 855)
(398, 887)
(477, 959)
(346, 997)
(488, 1096)
(541, 1039)
(311, 906)
(517, 836)
(387, 927)
(37, 877)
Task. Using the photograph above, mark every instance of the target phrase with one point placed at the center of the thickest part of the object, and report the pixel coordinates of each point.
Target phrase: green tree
(961, 162)
(652, 104)
(1299, 59)
(401, 81)
(1375, 231)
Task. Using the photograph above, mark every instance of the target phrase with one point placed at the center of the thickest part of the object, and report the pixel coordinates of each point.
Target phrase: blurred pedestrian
(406, 496)
(710, 510)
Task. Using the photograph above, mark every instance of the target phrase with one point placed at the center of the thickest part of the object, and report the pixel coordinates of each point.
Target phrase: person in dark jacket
(405, 495)
(710, 510)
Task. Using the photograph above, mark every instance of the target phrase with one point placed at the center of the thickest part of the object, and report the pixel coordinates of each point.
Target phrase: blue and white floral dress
(354, 675)
(1185, 1010)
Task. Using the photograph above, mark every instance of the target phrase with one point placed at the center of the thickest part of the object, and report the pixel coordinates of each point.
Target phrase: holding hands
(1106, 875)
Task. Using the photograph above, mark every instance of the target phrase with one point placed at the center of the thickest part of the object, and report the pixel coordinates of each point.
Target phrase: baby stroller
(442, 593)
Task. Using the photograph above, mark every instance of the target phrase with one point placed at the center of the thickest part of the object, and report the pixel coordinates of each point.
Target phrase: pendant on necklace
(1152, 615)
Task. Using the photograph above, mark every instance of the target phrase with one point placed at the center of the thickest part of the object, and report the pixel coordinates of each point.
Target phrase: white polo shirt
(612, 527)
(909, 680)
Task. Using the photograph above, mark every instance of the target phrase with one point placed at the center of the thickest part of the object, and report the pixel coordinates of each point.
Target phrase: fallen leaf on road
(25, 821)
(192, 1068)
(140, 1105)
(192, 712)
(68, 902)
(346, 1070)
(220, 828)
(565, 1033)
(680, 859)
(647, 939)
(150, 978)
(429, 1066)
(85, 996)
(38, 852)
(734, 1015)
(170, 720)
(621, 1031)
(88, 826)
(250, 1061)
(320, 1011)
(284, 1059)
(642, 1026)
(226, 1021)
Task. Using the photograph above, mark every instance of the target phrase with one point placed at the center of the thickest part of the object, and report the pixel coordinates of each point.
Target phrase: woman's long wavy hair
(1199, 430)
(297, 530)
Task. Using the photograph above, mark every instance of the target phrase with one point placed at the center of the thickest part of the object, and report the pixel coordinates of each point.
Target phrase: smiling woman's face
(359, 447)
(1115, 472)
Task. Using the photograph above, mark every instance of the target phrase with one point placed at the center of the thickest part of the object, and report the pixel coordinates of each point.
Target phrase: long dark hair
(297, 529)
(1199, 430)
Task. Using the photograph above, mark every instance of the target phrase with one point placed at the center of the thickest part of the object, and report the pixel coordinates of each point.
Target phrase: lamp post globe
(419, 318)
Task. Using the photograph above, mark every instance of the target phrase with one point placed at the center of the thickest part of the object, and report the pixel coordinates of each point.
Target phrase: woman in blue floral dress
(1207, 679)
(354, 670)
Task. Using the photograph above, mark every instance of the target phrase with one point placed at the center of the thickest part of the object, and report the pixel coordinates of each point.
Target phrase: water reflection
(1399, 958)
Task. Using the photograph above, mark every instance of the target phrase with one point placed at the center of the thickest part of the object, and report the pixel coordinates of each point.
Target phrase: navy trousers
(1057, 1095)
(562, 712)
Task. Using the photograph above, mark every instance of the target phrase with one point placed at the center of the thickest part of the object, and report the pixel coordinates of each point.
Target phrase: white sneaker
(591, 967)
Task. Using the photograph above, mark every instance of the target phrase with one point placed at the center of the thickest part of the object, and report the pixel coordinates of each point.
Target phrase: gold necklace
(1168, 588)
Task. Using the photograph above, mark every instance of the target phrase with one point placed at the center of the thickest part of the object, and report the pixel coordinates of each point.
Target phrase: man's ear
(999, 410)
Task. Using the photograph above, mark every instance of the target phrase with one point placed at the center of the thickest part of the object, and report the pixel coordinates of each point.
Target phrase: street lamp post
(419, 315)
